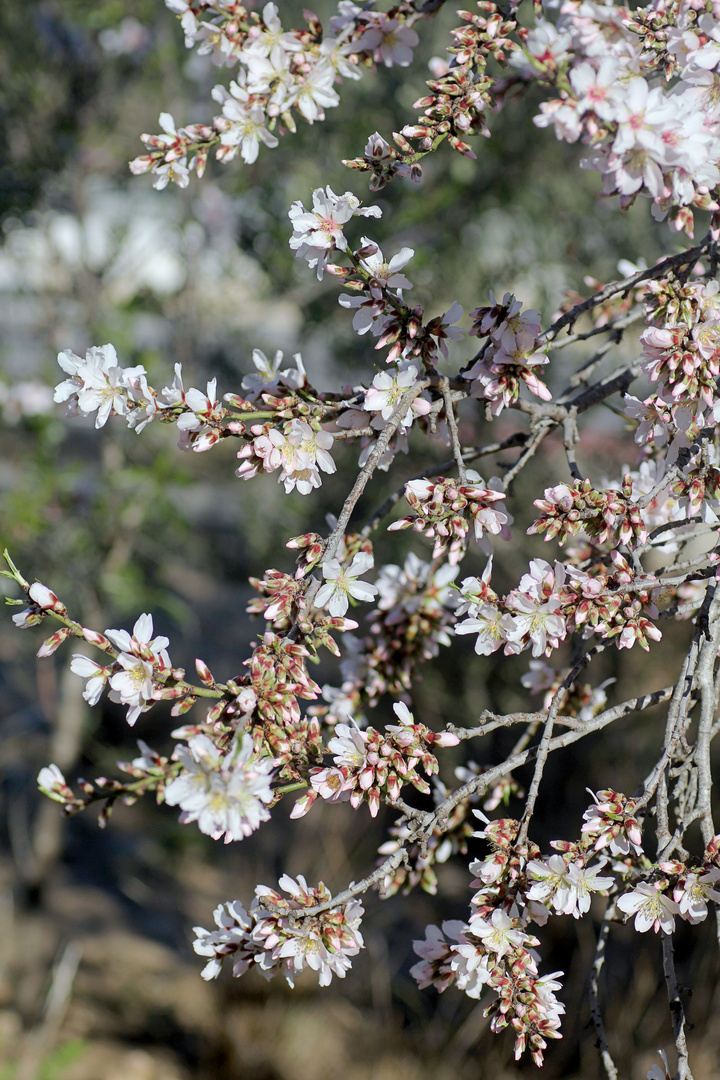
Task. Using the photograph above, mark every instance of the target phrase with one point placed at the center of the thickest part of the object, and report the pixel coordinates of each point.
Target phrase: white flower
(172, 171)
(316, 92)
(225, 793)
(551, 883)
(385, 393)
(500, 934)
(142, 657)
(693, 893)
(386, 273)
(340, 584)
(247, 130)
(348, 746)
(566, 885)
(599, 90)
(651, 908)
(493, 630)
(133, 686)
(51, 782)
(96, 676)
(538, 621)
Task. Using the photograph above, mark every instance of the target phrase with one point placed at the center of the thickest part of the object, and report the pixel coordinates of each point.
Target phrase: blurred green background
(97, 977)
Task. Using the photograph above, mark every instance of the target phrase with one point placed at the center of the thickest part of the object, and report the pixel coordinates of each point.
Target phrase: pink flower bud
(46, 599)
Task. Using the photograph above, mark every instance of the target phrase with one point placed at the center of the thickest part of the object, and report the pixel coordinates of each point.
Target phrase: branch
(676, 1008)
(624, 286)
(596, 1014)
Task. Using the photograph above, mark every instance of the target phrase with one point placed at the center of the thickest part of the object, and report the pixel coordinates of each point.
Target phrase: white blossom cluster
(651, 114)
(226, 793)
(275, 936)
(277, 73)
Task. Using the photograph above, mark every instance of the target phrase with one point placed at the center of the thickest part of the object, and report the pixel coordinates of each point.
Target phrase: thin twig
(595, 1011)
(624, 286)
(677, 1010)
(452, 425)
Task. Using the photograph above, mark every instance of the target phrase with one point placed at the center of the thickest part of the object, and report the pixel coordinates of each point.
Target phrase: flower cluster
(552, 601)
(673, 889)
(506, 361)
(641, 89)
(369, 766)
(439, 508)
(681, 353)
(649, 112)
(603, 515)
(376, 284)
(300, 450)
(138, 673)
(278, 74)
(226, 793)
(275, 936)
(460, 95)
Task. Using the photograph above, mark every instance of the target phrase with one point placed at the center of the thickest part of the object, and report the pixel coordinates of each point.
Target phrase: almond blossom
(225, 793)
(142, 661)
(341, 584)
(651, 907)
(318, 231)
(693, 893)
(282, 940)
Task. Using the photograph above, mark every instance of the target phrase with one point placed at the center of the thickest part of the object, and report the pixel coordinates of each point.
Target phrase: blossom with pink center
(653, 910)
(693, 893)
(384, 273)
(597, 90)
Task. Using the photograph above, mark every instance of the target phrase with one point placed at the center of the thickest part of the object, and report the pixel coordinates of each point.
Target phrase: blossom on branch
(651, 908)
(226, 793)
(341, 584)
(274, 936)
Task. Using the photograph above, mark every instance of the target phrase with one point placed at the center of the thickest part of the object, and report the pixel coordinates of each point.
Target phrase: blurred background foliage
(118, 525)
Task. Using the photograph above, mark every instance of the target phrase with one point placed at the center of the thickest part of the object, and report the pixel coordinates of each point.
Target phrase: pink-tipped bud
(204, 673)
(50, 644)
(98, 640)
(181, 707)
(46, 599)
